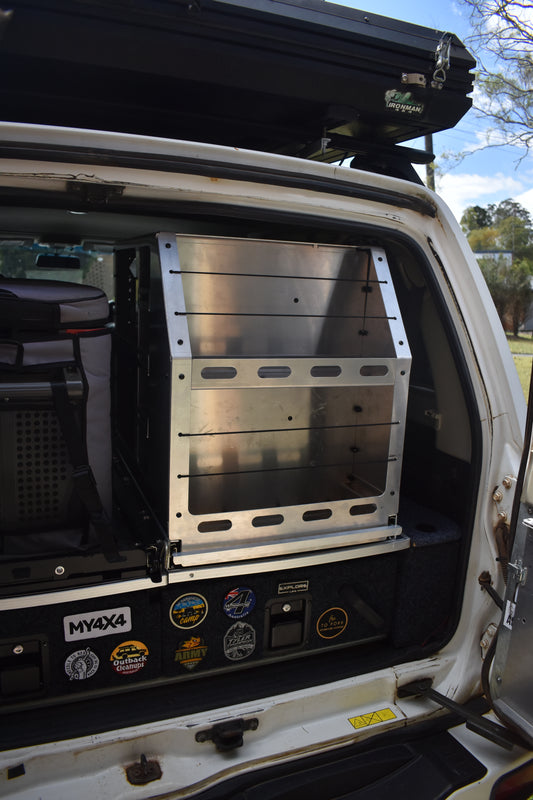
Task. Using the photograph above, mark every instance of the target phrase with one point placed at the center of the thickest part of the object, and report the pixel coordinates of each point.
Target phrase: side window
(73, 263)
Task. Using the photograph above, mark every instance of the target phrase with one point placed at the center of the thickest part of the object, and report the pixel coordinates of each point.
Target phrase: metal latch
(520, 572)
(143, 772)
(414, 79)
(227, 735)
(442, 62)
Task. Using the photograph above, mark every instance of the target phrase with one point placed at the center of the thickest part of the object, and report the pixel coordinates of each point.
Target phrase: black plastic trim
(428, 768)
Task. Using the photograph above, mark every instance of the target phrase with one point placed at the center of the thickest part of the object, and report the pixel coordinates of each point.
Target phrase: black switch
(286, 634)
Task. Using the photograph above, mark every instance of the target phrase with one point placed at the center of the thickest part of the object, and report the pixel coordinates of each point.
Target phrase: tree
(502, 41)
(515, 236)
(510, 288)
(508, 226)
(482, 240)
(498, 212)
(519, 277)
(474, 218)
(508, 275)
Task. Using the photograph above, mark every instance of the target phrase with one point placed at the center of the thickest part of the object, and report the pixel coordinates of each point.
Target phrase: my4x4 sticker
(188, 611)
(239, 641)
(239, 602)
(129, 657)
(94, 624)
(190, 652)
(81, 664)
(332, 623)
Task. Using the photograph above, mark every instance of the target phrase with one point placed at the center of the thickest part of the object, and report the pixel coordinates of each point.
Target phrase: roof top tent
(304, 78)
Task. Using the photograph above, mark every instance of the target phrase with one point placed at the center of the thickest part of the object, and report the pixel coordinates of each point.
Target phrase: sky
(488, 176)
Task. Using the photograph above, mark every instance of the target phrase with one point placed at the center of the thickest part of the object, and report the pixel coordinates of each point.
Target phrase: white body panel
(295, 724)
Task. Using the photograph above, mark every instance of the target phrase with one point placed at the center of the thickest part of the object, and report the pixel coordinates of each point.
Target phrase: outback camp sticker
(190, 652)
(188, 611)
(239, 602)
(94, 624)
(332, 623)
(129, 657)
(403, 102)
(239, 641)
(81, 664)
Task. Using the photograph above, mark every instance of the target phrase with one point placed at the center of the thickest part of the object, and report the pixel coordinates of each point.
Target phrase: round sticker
(81, 664)
(190, 652)
(239, 602)
(188, 611)
(239, 641)
(129, 657)
(332, 623)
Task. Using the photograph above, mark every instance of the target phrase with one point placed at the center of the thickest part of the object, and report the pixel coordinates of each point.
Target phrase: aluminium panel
(289, 382)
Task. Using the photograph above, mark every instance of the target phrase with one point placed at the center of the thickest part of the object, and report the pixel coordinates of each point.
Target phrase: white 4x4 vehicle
(260, 429)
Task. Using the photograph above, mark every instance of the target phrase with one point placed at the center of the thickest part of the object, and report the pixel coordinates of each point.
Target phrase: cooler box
(55, 454)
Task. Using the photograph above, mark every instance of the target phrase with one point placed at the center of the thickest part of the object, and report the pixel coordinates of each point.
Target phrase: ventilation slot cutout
(218, 373)
(274, 372)
(326, 371)
(266, 520)
(316, 513)
(214, 525)
(43, 472)
(358, 511)
(374, 370)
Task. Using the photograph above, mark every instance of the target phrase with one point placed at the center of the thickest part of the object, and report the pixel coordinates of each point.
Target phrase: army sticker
(239, 641)
(239, 602)
(188, 611)
(81, 664)
(129, 657)
(332, 623)
(190, 652)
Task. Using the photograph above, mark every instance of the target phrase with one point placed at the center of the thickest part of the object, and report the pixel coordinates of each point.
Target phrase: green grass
(523, 367)
(521, 347)
(520, 344)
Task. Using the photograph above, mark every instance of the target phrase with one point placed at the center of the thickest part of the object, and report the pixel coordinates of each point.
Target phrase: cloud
(462, 190)
(526, 199)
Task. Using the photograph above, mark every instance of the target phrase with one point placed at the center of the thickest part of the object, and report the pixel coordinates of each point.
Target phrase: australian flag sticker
(239, 602)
